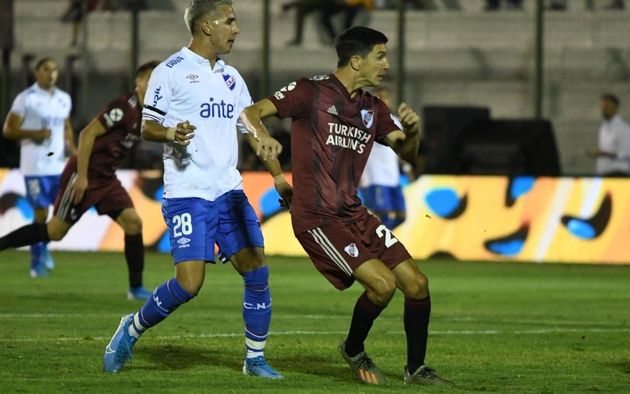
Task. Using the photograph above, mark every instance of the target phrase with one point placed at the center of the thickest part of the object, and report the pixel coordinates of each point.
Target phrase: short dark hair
(357, 40)
(612, 98)
(148, 66)
(43, 61)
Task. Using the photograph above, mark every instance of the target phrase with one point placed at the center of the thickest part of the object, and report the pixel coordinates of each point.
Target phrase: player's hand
(409, 118)
(184, 132)
(40, 136)
(592, 153)
(286, 193)
(78, 188)
(268, 148)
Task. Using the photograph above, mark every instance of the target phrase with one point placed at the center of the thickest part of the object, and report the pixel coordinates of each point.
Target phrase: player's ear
(355, 62)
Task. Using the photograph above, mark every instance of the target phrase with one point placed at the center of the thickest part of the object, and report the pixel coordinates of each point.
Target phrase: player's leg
(130, 222)
(379, 284)
(240, 240)
(337, 252)
(189, 234)
(417, 311)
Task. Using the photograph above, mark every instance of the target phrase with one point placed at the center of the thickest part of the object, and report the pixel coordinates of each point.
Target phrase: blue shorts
(383, 198)
(195, 225)
(41, 190)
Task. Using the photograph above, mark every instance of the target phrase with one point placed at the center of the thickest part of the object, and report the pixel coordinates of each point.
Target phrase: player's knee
(56, 234)
(418, 289)
(191, 283)
(133, 225)
(191, 287)
(383, 290)
(56, 231)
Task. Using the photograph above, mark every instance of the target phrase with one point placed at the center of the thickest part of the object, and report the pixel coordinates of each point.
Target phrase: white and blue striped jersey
(186, 88)
(40, 109)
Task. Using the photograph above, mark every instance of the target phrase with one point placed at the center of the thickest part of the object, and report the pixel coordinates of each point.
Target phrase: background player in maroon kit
(89, 180)
(334, 126)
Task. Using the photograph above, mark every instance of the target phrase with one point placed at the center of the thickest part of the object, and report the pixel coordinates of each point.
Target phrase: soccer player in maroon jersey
(334, 126)
(89, 180)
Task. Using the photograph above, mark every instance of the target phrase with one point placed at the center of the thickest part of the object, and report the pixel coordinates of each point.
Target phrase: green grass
(495, 327)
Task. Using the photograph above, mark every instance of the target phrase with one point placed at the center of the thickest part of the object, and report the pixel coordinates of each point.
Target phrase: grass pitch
(495, 327)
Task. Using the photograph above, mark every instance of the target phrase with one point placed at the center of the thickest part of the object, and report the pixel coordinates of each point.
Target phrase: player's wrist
(170, 134)
(277, 179)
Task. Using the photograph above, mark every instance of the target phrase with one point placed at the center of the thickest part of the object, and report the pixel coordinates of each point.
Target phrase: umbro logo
(183, 242)
(332, 110)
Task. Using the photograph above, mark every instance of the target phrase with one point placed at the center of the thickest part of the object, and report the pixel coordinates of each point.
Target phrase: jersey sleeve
(158, 96)
(293, 99)
(118, 114)
(244, 101)
(19, 105)
(386, 121)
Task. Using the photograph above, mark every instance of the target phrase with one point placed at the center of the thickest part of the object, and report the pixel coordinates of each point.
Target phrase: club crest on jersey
(367, 115)
(352, 250)
(229, 81)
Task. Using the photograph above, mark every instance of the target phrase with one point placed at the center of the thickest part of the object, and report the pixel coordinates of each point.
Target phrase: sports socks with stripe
(165, 299)
(256, 310)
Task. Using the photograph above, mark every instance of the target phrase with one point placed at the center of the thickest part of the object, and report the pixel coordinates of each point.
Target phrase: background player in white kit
(380, 186)
(40, 119)
(192, 104)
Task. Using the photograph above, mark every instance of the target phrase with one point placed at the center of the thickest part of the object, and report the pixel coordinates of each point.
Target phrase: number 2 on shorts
(389, 237)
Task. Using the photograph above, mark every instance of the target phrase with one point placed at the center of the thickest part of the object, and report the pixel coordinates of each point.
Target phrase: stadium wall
(573, 220)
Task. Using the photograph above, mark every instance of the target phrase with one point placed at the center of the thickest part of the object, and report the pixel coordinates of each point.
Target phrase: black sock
(416, 319)
(134, 254)
(27, 235)
(365, 312)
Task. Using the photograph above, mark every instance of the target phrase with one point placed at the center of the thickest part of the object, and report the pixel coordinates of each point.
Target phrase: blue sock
(256, 310)
(37, 254)
(165, 299)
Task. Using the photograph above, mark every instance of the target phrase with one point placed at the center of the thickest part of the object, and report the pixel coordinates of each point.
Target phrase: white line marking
(315, 333)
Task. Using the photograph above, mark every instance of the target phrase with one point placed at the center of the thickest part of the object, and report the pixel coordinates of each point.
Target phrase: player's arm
(406, 142)
(266, 148)
(275, 169)
(69, 136)
(87, 137)
(13, 130)
(180, 134)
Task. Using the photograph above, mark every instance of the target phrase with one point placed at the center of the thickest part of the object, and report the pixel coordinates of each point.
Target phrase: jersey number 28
(182, 222)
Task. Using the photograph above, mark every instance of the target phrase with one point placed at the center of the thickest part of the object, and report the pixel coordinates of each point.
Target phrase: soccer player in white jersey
(380, 187)
(40, 119)
(192, 104)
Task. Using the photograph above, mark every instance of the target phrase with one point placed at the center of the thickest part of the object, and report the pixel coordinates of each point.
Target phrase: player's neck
(203, 50)
(348, 80)
(47, 89)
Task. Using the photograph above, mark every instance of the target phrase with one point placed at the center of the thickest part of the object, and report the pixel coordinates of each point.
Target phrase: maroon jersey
(331, 138)
(121, 119)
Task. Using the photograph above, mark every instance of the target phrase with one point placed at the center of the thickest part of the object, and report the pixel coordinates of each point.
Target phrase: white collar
(218, 66)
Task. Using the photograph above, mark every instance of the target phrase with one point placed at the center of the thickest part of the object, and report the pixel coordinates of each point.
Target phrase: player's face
(609, 109)
(142, 81)
(47, 74)
(375, 65)
(224, 29)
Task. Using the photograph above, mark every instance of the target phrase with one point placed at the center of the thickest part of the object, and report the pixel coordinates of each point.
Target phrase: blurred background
(505, 87)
